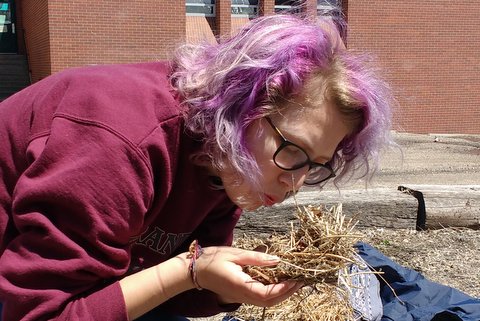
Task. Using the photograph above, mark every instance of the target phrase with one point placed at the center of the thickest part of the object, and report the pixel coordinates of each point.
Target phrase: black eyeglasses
(290, 157)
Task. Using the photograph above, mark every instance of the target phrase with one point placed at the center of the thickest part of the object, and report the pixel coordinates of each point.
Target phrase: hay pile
(319, 245)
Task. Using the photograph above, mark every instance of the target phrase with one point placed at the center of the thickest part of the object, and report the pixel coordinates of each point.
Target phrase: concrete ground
(431, 159)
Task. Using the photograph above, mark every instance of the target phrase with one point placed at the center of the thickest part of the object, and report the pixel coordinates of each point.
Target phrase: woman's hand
(219, 269)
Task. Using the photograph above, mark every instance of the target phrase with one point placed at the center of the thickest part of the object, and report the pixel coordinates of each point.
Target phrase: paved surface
(430, 159)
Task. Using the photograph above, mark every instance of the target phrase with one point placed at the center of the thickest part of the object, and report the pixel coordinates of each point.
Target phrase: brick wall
(266, 7)
(199, 29)
(223, 17)
(238, 23)
(86, 32)
(430, 52)
(19, 28)
(428, 49)
(34, 26)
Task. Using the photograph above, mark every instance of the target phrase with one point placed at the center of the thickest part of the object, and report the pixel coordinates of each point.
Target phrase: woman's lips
(269, 201)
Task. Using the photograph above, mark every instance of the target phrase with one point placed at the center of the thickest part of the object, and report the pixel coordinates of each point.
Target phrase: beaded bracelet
(195, 250)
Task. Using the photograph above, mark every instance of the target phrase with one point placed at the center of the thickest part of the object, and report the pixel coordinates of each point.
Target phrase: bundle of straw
(317, 248)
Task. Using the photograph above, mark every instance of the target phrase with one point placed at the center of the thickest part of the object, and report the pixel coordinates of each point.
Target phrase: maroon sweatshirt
(96, 183)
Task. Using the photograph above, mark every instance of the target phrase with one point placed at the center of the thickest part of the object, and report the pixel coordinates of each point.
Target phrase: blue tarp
(423, 300)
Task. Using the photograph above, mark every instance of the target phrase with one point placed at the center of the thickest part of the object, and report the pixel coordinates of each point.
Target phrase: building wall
(430, 53)
(19, 28)
(428, 50)
(86, 32)
(238, 23)
(223, 18)
(266, 7)
(200, 29)
(35, 28)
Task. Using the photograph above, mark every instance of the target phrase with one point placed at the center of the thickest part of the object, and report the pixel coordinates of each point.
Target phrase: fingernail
(268, 257)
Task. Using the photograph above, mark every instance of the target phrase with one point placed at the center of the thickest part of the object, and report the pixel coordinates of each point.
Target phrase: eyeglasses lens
(290, 157)
(317, 174)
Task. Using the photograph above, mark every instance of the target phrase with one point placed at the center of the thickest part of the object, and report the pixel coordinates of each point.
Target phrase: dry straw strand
(319, 245)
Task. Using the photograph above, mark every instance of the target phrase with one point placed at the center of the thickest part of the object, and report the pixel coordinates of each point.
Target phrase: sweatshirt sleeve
(76, 207)
(216, 230)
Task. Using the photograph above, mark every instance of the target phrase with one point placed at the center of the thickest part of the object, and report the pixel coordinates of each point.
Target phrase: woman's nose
(293, 180)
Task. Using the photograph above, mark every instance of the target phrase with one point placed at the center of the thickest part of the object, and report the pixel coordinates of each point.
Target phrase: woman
(110, 173)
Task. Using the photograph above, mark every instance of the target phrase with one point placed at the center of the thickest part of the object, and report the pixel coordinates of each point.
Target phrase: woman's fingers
(264, 295)
(268, 295)
(220, 270)
(283, 296)
(256, 258)
(246, 257)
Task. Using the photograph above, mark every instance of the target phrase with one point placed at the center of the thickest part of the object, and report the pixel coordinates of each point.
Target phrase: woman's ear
(202, 160)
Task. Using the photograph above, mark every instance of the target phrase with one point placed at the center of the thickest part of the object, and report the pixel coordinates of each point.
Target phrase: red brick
(429, 52)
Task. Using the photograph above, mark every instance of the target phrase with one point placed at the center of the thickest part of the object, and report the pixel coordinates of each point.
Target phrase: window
(331, 8)
(328, 7)
(205, 8)
(245, 8)
(5, 13)
(286, 6)
(294, 6)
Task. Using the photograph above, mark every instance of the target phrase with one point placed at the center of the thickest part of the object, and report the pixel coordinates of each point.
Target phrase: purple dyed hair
(273, 60)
